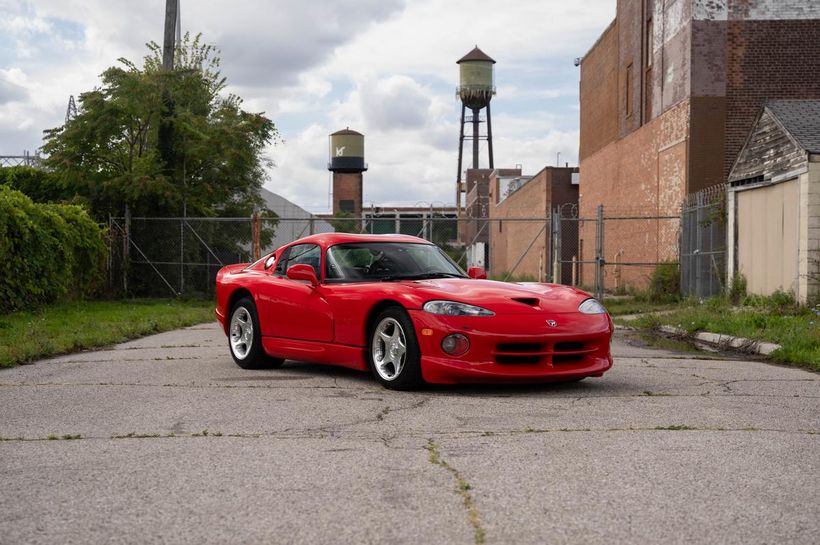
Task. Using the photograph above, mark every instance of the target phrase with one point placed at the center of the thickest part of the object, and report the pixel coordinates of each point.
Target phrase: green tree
(108, 153)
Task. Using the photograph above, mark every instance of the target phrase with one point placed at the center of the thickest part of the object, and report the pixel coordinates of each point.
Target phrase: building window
(347, 206)
(500, 226)
(647, 96)
(628, 90)
(648, 44)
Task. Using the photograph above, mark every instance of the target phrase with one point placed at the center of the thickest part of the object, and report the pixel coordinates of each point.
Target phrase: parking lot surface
(165, 440)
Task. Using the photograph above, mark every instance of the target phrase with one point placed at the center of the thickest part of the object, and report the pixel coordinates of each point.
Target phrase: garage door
(767, 237)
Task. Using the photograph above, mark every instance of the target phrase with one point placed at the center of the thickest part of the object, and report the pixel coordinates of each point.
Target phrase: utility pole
(165, 135)
(171, 24)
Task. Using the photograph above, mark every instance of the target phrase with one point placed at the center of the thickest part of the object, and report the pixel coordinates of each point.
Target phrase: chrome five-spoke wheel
(245, 337)
(389, 348)
(241, 329)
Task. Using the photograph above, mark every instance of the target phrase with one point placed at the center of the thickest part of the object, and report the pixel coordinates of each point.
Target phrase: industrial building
(668, 95)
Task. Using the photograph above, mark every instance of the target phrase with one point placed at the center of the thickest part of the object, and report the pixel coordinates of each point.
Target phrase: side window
(281, 268)
(306, 254)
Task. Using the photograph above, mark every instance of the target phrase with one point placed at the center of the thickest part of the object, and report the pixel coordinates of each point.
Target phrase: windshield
(383, 261)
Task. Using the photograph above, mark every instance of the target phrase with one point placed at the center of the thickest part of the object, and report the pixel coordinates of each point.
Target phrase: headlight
(451, 308)
(591, 306)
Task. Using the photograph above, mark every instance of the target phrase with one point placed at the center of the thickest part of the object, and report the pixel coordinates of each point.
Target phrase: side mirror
(477, 272)
(303, 272)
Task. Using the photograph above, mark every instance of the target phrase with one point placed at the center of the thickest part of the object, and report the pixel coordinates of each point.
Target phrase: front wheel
(393, 352)
(245, 338)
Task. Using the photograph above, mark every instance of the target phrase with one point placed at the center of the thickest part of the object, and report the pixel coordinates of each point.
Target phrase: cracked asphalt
(165, 440)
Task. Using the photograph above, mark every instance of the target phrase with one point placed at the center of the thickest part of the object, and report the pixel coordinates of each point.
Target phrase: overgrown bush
(664, 285)
(737, 289)
(48, 252)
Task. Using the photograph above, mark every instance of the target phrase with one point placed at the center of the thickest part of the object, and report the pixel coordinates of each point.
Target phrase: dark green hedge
(40, 185)
(48, 252)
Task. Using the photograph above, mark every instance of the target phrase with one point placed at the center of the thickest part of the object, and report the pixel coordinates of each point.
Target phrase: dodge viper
(400, 307)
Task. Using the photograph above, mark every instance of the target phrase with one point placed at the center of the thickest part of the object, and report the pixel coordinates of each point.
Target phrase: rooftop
(475, 55)
(801, 119)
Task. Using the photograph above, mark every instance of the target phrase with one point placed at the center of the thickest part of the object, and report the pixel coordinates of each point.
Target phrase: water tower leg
(460, 156)
(490, 135)
(475, 137)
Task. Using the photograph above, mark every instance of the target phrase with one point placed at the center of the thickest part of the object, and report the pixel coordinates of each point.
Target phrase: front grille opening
(559, 359)
(519, 347)
(569, 346)
(517, 359)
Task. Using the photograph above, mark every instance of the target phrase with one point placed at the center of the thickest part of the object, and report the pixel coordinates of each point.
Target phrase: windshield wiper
(420, 276)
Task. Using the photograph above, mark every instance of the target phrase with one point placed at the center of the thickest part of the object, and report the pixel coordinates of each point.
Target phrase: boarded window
(628, 90)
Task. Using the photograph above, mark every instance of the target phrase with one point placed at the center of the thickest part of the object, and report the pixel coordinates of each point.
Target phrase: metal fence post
(599, 254)
(698, 245)
(557, 263)
(110, 253)
(181, 256)
(256, 233)
(126, 249)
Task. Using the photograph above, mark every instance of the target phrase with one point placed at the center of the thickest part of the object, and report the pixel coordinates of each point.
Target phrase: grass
(463, 488)
(773, 319)
(69, 327)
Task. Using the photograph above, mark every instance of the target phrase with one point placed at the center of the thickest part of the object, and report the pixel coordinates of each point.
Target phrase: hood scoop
(529, 301)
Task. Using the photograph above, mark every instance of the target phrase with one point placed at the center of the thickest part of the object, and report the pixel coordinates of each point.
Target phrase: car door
(294, 309)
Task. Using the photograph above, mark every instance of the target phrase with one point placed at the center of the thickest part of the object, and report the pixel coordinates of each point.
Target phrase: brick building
(668, 95)
(473, 227)
(519, 228)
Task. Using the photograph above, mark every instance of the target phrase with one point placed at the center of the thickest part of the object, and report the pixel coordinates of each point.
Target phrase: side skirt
(316, 352)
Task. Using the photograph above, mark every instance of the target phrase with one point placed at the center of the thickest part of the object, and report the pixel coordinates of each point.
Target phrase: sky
(386, 68)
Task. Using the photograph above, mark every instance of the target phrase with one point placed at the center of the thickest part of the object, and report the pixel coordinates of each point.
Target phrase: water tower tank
(477, 80)
(347, 151)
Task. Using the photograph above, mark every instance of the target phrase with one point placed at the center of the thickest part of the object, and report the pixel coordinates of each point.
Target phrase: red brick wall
(599, 94)
(347, 186)
(643, 174)
(767, 60)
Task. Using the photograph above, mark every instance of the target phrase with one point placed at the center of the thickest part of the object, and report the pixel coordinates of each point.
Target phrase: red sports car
(399, 306)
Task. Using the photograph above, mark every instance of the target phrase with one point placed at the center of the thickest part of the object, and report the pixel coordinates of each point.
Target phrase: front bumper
(515, 348)
(220, 317)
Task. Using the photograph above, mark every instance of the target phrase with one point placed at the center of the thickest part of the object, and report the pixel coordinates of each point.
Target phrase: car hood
(501, 297)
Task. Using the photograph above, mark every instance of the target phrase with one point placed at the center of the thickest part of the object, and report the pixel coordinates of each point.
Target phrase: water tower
(476, 89)
(347, 164)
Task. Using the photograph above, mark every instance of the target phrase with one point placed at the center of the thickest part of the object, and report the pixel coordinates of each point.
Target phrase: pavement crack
(462, 488)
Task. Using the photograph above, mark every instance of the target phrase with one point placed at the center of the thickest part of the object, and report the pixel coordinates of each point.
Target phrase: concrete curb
(725, 341)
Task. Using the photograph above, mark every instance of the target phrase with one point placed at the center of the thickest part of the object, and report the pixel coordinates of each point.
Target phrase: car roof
(329, 239)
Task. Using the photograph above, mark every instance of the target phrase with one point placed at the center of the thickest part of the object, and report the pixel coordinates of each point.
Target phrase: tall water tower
(347, 164)
(476, 89)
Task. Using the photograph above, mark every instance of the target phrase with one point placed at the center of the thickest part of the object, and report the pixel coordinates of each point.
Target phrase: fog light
(455, 344)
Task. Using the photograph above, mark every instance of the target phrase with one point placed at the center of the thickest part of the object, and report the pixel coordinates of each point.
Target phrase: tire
(393, 351)
(245, 338)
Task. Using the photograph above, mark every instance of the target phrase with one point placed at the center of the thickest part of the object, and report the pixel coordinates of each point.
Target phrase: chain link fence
(703, 243)
(616, 251)
(612, 252)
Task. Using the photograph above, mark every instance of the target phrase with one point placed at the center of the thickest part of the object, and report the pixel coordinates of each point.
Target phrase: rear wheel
(245, 338)
(393, 351)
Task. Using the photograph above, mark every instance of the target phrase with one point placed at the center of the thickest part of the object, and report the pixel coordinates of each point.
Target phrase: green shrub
(48, 252)
(665, 283)
(737, 289)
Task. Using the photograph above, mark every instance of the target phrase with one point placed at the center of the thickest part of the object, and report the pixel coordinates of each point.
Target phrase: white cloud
(384, 67)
